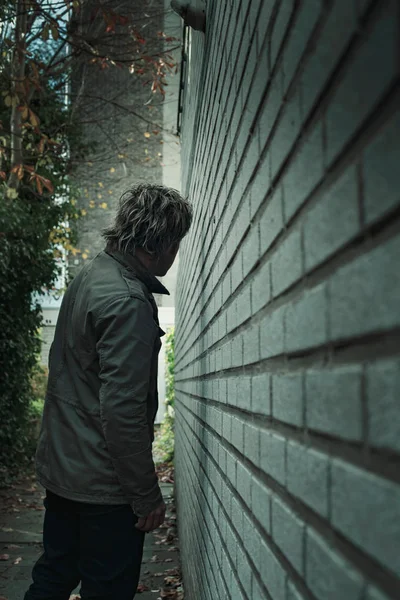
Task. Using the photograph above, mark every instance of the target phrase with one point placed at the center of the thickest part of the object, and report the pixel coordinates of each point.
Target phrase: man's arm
(125, 340)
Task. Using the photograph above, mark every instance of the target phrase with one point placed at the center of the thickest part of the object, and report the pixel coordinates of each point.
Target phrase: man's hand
(153, 520)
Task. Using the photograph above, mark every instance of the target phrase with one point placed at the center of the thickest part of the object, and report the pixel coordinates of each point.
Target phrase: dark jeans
(95, 544)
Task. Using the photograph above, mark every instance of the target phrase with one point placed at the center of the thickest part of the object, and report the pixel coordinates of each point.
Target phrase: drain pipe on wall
(192, 17)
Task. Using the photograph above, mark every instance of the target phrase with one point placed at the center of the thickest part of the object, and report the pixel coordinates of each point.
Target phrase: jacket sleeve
(125, 340)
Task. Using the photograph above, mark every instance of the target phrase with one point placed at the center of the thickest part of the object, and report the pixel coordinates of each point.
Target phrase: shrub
(165, 439)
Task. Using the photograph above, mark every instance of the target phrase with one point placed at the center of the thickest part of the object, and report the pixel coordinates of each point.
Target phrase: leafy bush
(27, 266)
(165, 439)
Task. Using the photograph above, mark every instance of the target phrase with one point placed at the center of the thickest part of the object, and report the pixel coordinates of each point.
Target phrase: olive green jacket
(95, 443)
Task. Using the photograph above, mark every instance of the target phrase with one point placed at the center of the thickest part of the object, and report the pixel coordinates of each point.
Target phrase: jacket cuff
(144, 507)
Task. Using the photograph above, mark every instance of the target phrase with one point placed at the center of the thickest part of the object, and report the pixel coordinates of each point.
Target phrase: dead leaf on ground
(17, 560)
(142, 587)
(4, 556)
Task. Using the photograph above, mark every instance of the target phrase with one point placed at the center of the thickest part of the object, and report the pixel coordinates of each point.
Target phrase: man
(94, 454)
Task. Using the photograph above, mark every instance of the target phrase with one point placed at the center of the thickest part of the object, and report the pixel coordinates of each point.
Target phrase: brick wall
(288, 310)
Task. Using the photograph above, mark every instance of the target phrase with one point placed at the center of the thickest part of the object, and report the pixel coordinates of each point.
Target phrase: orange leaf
(39, 185)
(34, 119)
(48, 185)
(3, 175)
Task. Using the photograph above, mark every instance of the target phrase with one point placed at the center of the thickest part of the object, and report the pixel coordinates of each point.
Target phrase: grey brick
(327, 51)
(235, 591)
(374, 594)
(279, 28)
(287, 398)
(253, 13)
(244, 482)
(260, 394)
(237, 352)
(260, 504)
(271, 334)
(251, 250)
(236, 515)
(333, 221)
(243, 569)
(333, 402)
(264, 21)
(231, 543)
(287, 263)
(243, 306)
(251, 345)
(381, 171)
(272, 455)
(366, 510)
(365, 293)
(271, 108)
(304, 172)
(231, 318)
(328, 575)
(258, 593)
(286, 132)
(307, 320)
(271, 221)
(226, 356)
(288, 533)
(383, 393)
(357, 95)
(293, 593)
(231, 468)
(299, 34)
(252, 443)
(260, 186)
(243, 393)
(272, 573)
(307, 476)
(237, 438)
(251, 539)
(236, 272)
(261, 288)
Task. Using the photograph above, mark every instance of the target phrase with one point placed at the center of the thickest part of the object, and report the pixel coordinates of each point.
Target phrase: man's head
(150, 223)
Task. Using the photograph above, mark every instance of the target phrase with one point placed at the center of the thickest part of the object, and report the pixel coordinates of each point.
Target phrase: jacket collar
(133, 264)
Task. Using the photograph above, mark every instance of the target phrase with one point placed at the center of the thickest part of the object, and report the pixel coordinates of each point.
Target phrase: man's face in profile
(164, 262)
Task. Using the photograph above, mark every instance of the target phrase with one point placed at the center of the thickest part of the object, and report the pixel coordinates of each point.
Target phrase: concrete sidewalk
(21, 522)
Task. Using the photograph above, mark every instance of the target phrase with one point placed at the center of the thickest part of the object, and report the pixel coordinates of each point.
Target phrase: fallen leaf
(17, 560)
(142, 588)
(4, 556)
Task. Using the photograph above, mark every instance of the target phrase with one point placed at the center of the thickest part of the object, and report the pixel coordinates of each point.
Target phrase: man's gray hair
(151, 217)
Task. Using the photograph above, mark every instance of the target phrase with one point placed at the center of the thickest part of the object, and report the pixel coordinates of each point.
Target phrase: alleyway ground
(21, 522)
